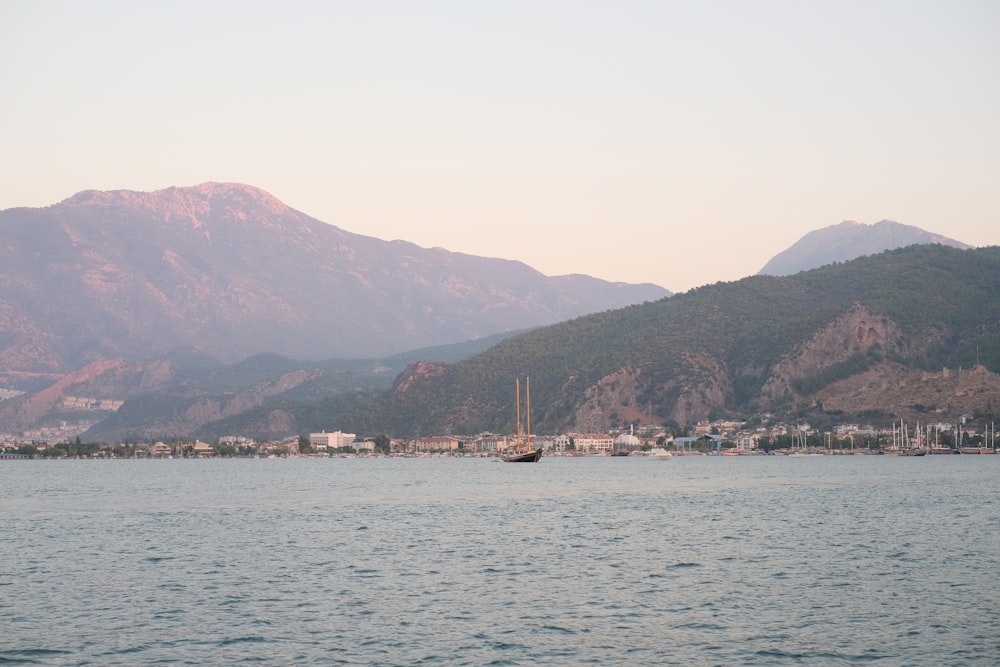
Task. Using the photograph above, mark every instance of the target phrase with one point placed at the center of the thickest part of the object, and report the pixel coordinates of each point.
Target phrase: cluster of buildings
(490, 444)
(62, 432)
(88, 404)
(705, 436)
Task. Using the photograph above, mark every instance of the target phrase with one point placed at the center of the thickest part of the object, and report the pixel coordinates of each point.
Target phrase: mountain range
(228, 271)
(912, 333)
(216, 309)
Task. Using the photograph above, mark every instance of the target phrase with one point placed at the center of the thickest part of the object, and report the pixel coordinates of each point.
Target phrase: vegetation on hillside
(947, 300)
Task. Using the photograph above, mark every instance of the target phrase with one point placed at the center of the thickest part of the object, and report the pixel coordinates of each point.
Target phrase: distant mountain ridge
(229, 271)
(849, 240)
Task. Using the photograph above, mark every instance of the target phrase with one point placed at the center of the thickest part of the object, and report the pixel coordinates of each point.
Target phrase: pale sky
(678, 143)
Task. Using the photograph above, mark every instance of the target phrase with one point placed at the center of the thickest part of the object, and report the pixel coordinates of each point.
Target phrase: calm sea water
(622, 561)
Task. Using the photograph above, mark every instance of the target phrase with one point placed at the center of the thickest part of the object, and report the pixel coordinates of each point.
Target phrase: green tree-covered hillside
(727, 347)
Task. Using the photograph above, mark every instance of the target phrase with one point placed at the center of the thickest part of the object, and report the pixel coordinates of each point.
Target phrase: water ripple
(823, 561)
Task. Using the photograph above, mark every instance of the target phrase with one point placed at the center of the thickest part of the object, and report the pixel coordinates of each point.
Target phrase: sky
(672, 142)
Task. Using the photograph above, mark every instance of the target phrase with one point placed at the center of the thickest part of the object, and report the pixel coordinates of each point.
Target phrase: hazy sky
(678, 143)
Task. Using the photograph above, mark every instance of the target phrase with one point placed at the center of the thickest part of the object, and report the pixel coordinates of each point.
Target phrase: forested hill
(783, 345)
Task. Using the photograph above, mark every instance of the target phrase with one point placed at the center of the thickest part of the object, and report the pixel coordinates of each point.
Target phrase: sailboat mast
(517, 392)
(527, 410)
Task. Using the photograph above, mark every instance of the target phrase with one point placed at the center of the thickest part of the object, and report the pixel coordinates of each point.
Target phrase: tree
(382, 443)
(224, 450)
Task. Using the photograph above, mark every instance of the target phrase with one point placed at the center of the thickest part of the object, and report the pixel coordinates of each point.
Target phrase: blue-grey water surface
(623, 561)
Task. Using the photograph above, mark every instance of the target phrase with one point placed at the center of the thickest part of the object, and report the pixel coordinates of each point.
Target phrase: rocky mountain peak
(232, 202)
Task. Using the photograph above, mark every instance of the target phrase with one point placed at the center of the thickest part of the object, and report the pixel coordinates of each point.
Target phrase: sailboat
(522, 452)
(904, 448)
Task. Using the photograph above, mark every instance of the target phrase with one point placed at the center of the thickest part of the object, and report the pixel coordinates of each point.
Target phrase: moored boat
(523, 452)
(523, 457)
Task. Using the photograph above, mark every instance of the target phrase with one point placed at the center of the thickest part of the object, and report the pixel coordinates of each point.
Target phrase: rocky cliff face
(914, 395)
(701, 388)
(610, 402)
(856, 331)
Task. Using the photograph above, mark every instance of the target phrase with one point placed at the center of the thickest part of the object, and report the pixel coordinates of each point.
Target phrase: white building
(627, 441)
(336, 440)
(593, 443)
(560, 443)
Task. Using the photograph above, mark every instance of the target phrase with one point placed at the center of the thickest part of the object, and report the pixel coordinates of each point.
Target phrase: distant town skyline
(677, 143)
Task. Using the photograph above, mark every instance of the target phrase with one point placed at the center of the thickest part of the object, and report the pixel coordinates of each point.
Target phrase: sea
(772, 560)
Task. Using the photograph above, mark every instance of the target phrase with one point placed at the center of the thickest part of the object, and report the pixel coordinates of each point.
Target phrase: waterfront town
(721, 437)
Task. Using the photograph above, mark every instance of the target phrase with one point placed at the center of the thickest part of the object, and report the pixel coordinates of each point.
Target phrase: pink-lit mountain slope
(230, 271)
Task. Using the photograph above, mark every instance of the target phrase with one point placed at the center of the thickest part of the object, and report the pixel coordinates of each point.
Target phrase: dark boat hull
(523, 457)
